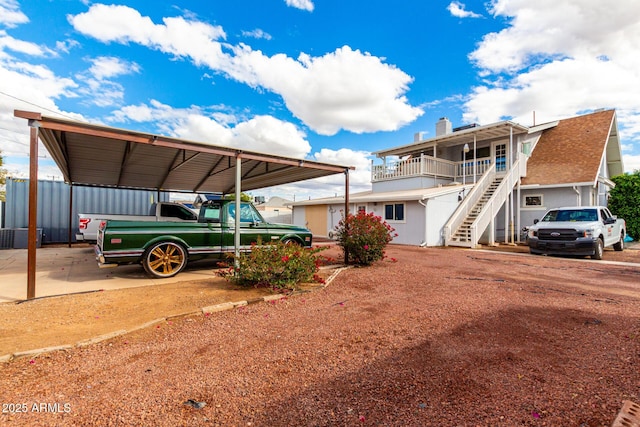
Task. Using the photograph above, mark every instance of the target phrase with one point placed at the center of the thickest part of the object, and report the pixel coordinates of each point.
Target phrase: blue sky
(326, 80)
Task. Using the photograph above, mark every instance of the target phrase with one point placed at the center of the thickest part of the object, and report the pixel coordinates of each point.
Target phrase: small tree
(364, 237)
(244, 197)
(624, 201)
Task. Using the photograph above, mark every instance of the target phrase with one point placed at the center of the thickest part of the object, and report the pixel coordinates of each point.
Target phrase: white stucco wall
(419, 223)
(410, 183)
(555, 198)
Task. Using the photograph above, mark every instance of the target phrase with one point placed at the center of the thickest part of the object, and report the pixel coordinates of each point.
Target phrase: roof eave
(459, 137)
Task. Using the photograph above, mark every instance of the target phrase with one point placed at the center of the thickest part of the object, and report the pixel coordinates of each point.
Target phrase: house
(481, 184)
(276, 209)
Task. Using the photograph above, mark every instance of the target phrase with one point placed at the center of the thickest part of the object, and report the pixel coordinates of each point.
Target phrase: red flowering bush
(276, 265)
(364, 237)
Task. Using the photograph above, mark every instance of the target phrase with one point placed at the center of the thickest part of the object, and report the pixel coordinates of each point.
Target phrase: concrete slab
(64, 270)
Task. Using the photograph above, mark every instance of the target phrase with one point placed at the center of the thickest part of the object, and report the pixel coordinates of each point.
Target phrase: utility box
(21, 238)
(6, 238)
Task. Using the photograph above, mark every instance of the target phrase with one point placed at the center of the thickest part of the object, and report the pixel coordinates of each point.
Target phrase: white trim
(569, 185)
(544, 126)
(386, 196)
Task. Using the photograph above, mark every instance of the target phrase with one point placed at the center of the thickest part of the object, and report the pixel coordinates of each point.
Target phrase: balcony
(430, 166)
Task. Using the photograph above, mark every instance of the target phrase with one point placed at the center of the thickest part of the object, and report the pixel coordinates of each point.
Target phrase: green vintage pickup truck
(164, 248)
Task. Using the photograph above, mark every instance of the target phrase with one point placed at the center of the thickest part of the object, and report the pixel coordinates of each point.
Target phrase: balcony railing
(429, 166)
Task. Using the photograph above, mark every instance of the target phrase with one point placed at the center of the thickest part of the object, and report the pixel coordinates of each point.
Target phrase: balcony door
(500, 156)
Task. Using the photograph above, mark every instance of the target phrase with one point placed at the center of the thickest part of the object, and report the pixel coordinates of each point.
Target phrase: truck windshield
(247, 213)
(569, 215)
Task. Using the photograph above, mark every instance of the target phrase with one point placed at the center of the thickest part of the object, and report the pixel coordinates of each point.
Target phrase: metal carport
(89, 154)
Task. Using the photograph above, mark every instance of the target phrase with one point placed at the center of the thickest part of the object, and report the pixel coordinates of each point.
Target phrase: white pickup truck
(88, 224)
(580, 230)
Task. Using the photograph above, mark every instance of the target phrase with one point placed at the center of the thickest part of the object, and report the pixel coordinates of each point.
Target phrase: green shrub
(624, 201)
(364, 237)
(277, 265)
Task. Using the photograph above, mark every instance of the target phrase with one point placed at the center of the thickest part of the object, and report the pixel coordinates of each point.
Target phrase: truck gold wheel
(164, 259)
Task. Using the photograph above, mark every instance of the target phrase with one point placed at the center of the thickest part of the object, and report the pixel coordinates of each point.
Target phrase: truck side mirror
(535, 221)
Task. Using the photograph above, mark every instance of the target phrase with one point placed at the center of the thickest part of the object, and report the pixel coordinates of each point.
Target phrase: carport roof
(89, 154)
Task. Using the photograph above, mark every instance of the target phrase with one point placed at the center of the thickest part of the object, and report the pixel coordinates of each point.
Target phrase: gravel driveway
(428, 337)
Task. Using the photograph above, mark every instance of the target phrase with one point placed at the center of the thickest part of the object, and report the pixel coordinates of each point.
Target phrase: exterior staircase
(478, 210)
(463, 232)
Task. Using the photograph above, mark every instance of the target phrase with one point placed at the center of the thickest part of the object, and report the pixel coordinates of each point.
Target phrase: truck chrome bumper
(101, 260)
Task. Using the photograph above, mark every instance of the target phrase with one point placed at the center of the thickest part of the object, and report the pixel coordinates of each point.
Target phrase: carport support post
(70, 230)
(346, 209)
(33, 210)
(236, 234)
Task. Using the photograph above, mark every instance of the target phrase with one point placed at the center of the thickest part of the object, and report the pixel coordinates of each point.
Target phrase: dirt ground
(69, 319)
(429, 337)
(66, 320)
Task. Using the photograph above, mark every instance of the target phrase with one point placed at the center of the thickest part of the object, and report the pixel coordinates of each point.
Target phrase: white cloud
(10, 14)
(301, 4)
(96, 85)
(257, 34)
(104, 67)
(559, 59)
(268, 134)
(360, 178)
(458, 10)
(332, 185)
(551, 29)
(98, 88)
(631, 162)
(177, 36)
(345, 89)
(66, 45)
(264, 134)
(19, 46)
(26, 86)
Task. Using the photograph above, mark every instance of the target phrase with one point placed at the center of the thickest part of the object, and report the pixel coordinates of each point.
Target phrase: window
(212, 213)
(394, 212)
(176, 211)
(362, 209)
(533, 201)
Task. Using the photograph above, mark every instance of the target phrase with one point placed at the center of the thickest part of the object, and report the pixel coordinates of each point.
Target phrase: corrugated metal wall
(53, 205)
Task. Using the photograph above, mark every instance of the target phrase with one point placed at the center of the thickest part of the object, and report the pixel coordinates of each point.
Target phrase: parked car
(577, 230)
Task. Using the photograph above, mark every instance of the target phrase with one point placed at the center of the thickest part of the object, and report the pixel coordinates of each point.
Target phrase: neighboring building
(276, 209)
(481, 183)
